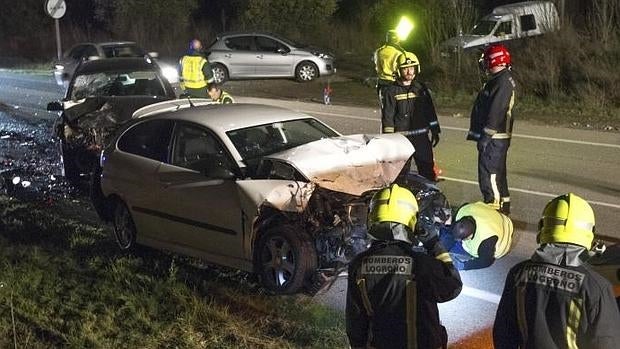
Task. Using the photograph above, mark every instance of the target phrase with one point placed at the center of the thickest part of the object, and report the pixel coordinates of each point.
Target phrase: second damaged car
(102, 95)
(254, 187)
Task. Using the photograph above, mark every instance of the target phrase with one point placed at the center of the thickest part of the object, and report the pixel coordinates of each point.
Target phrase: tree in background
(298, 19)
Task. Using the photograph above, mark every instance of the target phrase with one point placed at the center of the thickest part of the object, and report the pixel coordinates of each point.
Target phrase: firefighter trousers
(423, 156)
(492, 172)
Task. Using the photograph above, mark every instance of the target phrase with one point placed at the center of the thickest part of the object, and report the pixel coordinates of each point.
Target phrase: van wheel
(124, 227)
(220, 73)
(285, 259)
(306, 71)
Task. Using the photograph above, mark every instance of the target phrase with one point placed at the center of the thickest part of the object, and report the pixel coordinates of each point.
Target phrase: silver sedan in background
(248, 55)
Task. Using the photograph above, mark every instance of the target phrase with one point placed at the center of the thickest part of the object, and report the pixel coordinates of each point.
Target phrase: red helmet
(495, 55)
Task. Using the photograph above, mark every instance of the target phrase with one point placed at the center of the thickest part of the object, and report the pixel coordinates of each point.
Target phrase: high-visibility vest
(225, 98)
(192, 74)
(385, 61)
(489, 222)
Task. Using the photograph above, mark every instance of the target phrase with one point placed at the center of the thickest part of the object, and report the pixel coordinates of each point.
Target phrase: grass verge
(65, 284)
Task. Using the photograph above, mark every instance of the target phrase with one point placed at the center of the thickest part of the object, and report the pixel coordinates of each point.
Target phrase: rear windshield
(123, 51)
(123, 83)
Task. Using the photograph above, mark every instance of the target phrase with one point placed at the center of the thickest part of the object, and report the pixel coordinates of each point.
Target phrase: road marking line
(345, 116)
(533, 192)
(481, 294)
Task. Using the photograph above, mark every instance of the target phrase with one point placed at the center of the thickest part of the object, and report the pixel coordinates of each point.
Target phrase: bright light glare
(403, 28)
(171, 74)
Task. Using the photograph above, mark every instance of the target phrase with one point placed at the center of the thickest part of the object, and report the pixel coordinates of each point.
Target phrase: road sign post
(56, 9)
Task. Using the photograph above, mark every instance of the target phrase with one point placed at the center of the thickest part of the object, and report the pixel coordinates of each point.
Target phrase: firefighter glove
(435, 138)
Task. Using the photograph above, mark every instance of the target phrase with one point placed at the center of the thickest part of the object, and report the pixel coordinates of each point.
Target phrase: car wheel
(124, 227)
(220, 73)
(96, 195)
(306, 71)
(285, 259)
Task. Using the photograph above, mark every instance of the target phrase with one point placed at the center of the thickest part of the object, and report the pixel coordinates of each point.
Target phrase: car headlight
(171, 74)
(321, 54)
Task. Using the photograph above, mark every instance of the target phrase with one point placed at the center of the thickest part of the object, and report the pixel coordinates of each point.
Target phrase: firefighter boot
(504, 207)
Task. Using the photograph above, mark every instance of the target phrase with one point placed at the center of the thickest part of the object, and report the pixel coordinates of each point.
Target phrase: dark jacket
(491, 115)
(409, 108)
(393, 293)
(554, 301)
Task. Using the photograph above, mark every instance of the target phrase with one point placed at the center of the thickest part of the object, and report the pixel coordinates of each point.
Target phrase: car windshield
(484, 27)
(125, 83)
(123, 51)
(257, 141)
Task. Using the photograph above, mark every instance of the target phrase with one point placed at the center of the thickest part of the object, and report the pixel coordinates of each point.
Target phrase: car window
(197, 149)
(265, 44)
(149, 139)
(528, 22)
(241, 43)
(118, 83)
(257, 141)
(123, 51)
(484, 27)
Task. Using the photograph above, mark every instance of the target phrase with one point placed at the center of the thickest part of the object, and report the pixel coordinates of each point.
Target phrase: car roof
(107, 43)
(119, 63)
(227, 117)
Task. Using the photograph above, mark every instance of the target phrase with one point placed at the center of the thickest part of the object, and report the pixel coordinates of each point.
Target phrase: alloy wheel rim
(279, 261)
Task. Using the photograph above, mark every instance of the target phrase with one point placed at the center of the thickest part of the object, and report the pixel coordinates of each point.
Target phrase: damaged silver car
(102, 95)
(254, 187)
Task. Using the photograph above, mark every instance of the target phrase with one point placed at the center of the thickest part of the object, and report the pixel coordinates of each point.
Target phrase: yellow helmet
(568, 219)
(393, 204)
(408, 59)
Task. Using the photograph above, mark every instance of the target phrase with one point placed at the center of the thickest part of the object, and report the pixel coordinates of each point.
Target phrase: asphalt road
(543, 161)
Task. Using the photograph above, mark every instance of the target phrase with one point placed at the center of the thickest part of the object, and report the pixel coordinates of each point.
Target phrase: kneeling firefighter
(393, 288)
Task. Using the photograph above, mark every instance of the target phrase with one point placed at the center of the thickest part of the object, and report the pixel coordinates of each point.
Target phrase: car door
(200, 198)
(273, 59)
(241, 58)
(131, 171)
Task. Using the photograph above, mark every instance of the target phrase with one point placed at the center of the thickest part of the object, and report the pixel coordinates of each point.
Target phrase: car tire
(97, 198)
(124, 227)
(220, 73)
(285, 259)
(306, 71)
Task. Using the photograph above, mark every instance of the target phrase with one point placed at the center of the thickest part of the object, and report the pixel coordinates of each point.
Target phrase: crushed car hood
(110, 110)
(350, 164)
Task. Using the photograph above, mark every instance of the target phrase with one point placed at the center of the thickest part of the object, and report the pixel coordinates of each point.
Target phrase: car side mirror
(282, 50)
(220, 172)
(54, 106)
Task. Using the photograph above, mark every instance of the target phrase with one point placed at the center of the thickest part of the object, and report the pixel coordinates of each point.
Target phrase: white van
(509, 22)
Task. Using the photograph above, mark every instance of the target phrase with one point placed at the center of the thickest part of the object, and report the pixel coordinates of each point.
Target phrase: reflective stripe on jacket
(192, 71)
(489, 223)
(556, 301)
(409, 109)
(392, 296)
(225, 98)
(491, 115)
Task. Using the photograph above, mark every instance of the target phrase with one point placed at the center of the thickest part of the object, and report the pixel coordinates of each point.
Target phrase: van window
(528, 22)
(504, 28)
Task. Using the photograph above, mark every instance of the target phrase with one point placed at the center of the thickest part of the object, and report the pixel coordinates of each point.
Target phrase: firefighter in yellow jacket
(479, 236)
(195, 71)
(385, 59)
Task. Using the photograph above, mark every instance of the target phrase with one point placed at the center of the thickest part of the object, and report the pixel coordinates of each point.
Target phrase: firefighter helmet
(567, 219)
(393, 204)
(495, 55)
(405, 60)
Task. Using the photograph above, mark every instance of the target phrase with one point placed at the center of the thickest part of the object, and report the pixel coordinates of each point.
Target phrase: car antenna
(190, 101)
